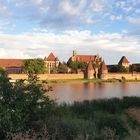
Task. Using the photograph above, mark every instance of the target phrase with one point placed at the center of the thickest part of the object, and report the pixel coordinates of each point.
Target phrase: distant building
(95, 59)
(136, 67)
(52, 62)
(124, 62)
(11, 66)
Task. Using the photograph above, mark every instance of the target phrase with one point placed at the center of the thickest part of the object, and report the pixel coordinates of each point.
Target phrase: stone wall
(48, 76)
(128, 76)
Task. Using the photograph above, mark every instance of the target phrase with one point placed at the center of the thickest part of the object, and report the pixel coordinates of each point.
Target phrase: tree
(118, 68)
(77, 65)
(82, 65)
(34, 66)
(123, 69)
(62, 68)
(134, 68)
(73, 65)
(113, 68)
(96, 65)
(23, 107)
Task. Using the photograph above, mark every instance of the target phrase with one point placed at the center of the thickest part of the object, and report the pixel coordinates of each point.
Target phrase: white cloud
(37, 1)
(134, 20)
(43, 9)
(5, 25)
(4, 11)
(114, 18)
(41, 44)
(68, 7)
(70, 14)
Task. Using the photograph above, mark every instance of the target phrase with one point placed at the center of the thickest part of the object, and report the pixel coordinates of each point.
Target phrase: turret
(103, 72)
(90, 71)
(124, 62)
(74, 52)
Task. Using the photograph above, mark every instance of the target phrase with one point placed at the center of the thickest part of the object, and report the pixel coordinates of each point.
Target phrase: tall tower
(90, 71)
(103, 71)
(74, 52)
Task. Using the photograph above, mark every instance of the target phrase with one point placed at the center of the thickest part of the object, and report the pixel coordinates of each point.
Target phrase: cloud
(114, 18)
(6, 25)
(70, 14)
(134, 20)
(40, 44)
(4, 11)
(37, 1)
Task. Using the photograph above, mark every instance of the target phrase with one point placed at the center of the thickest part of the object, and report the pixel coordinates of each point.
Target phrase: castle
(52, 62)
(96, 66)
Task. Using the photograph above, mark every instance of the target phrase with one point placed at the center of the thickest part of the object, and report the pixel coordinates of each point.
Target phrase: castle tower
(74, 52)
(103, 71)
(90, 71)
(124, 62)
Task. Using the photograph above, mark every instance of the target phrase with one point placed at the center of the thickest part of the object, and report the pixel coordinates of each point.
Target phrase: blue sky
(34, 28)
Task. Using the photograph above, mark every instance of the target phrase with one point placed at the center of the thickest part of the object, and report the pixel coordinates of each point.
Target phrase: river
(78, 91)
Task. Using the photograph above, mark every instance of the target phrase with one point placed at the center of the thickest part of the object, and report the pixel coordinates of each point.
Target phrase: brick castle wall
(48, 76)
(128, 76)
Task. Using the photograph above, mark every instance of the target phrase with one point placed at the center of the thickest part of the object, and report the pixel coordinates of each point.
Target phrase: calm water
(70, 92)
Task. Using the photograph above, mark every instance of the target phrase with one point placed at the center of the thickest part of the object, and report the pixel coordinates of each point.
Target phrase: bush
(22, 107)
(113, 122)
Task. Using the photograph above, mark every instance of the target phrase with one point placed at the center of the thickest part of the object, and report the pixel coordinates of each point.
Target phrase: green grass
(96, 80)
(95, 119)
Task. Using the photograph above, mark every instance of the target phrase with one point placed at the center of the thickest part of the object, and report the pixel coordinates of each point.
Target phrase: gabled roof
(90, 67)
(103, 66)
(86, 58)
(51, 57)
(123, 60)
(5, 63)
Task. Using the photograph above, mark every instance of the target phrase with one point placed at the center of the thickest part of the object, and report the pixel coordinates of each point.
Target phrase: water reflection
(70, 92)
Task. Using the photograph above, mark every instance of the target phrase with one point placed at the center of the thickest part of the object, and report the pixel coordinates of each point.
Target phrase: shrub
(113, 122)
(22, 107)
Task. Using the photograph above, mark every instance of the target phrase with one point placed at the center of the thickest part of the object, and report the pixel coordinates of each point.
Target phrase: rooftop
(5, 63)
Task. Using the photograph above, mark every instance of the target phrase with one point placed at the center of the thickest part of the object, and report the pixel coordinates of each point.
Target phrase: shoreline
(89, 80)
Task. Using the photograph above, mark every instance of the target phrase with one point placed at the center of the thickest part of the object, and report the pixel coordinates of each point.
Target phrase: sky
(34, 28)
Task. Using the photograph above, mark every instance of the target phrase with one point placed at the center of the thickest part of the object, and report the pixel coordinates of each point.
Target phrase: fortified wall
(48, 76)
(127, 76)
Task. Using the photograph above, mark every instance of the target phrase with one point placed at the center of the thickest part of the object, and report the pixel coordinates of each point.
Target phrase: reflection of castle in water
(70, 92)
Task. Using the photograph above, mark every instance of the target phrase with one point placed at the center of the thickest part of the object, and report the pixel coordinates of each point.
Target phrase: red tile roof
(51, 57)
(85, 58)
(123, 60)
(5, 63)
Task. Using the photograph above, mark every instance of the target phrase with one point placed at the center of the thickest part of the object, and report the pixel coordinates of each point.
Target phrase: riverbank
(116, 119)
(89, 80)
(113, 119)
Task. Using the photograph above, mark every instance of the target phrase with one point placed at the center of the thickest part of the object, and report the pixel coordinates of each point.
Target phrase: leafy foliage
(118, 68)
(62, 68)
(22, 106)
(134, 68)
(34, 66)
(78, 65)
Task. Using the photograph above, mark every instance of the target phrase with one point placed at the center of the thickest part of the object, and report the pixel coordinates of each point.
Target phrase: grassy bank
(88, 80)
(112, 119)
(98, 120)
